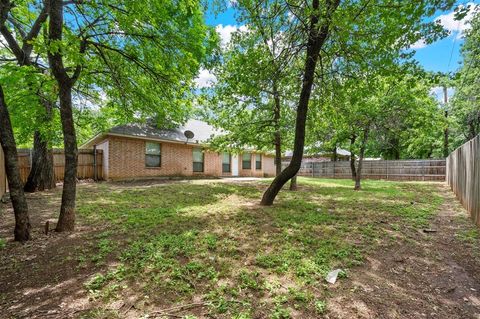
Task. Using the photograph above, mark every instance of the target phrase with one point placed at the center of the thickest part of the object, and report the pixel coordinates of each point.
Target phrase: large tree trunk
(41, 176)
(19, 203)
(352, 158)
(278, 139)
(66, 220)
(358, 176)
(316, 38)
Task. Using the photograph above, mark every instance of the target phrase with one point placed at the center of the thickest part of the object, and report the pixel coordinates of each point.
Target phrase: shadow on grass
(148, 247)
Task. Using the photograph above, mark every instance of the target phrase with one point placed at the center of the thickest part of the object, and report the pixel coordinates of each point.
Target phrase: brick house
(143, 150)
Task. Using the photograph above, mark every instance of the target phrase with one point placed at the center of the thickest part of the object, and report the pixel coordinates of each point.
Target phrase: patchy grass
(174, 243)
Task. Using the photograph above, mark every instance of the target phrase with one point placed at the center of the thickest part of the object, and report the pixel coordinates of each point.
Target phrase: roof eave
(93, 141)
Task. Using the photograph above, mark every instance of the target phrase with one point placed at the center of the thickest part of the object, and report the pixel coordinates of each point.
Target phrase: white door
(234, 165)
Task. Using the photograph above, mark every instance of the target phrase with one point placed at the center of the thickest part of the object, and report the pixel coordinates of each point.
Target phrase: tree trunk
(278, 139)
(358, 176)
(19, 202)
(41, 176)
(66, 220)
(293, 183)
(445, 139)
(352, 158)
(396, 153)
(445, 132)
(316, 39)
(334, 154)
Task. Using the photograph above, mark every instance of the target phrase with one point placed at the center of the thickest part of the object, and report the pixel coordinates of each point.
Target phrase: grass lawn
(211, 245)
(206, 249)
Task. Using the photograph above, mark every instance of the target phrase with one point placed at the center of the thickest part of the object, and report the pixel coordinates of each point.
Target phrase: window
(258, 161)
(246, 161)
(198, 157)
(153, 156)
(226, 163)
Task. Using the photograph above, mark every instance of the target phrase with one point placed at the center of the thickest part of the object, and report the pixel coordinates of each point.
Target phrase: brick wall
(126, 159)
(268, 167)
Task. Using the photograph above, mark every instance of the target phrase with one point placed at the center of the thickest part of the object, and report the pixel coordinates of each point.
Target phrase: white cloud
(457, 27)
(437, 93)
(418, 45)
(227, 30)
(205, 79)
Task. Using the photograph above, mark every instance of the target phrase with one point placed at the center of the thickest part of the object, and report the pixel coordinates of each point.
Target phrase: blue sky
(443, 55)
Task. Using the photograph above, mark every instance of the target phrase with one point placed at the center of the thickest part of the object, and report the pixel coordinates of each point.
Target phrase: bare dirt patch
(432, 274)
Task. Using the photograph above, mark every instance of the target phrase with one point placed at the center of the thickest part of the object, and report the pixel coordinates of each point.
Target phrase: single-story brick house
(144, 150)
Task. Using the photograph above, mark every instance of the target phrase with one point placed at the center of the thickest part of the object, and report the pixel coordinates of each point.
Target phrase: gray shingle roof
(202, 130)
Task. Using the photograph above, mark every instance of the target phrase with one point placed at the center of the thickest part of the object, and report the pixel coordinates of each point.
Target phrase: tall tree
(20, 32)
(135, 53)
(256, 79)
(338, 31)
(66, 220)
(320, 20)
(466, 99)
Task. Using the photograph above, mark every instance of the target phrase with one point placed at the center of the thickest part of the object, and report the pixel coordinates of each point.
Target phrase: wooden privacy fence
(89, 164)
(463, 176)
(401, 170)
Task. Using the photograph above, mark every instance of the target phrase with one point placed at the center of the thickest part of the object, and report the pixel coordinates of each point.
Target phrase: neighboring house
(143, 150)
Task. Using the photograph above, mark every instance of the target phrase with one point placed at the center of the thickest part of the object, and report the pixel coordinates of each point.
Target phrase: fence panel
(85, 170)
(463, 176)
(408, 170)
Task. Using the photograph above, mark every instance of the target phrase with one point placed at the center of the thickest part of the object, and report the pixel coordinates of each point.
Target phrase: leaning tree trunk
(358, 176)
(316, 38)
(19, 203)
(66, 220)
(41, 176)
(278, 138)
